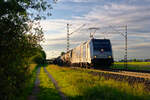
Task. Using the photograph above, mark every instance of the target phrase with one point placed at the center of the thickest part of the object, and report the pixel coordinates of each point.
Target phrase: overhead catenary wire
(125, 35)
(68, 34)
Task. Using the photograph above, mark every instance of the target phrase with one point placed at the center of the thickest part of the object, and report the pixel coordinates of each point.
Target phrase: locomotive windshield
(101, 45)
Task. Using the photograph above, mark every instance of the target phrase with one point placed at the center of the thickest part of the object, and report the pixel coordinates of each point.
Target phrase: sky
(110, 16)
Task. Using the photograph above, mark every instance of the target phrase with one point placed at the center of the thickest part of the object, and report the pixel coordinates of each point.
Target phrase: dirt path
(56, 85)
(36, 89)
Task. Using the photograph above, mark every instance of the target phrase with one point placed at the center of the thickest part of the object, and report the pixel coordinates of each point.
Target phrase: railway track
(122, 75)
(137, 74)
(128, 70)
(132, 77)
(129, 73)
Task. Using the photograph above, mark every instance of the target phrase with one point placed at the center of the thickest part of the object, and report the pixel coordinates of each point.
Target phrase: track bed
(121, 75)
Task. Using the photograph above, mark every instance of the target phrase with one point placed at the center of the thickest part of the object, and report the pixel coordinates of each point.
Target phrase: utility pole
(126, 48)
(68, 35)
(125, 35)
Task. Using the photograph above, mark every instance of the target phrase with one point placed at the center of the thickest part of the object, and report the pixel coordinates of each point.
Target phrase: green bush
(19, 43)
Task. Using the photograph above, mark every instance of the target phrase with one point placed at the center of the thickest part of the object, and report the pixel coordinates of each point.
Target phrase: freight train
(93, 53)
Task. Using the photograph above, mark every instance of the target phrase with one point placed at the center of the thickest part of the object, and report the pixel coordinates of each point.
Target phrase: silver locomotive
(93, 53)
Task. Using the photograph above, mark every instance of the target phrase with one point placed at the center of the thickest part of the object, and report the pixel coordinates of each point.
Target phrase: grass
(133, 65)
(47, 89)
(32, 67)
(78, 84)
(29, 83)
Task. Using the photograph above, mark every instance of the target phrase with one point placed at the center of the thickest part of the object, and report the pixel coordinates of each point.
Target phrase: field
(47, 88)
(79, 84)
(82, 84)
(133, 65)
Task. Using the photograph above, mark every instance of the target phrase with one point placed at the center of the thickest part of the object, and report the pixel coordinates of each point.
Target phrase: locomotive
(95, 53)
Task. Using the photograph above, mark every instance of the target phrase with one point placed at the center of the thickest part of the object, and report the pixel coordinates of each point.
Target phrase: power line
(68, 34)
(125, 35)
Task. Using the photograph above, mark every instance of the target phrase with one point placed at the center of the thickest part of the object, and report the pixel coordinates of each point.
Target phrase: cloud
(136, 16)
(80, 1)
(119, 13)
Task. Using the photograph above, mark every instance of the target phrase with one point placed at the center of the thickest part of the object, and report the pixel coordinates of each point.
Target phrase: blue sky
(103, 14)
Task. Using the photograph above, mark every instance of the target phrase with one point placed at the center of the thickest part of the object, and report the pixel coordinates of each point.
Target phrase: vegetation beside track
(78, 84)
(29, 83)
(47, 88)
(134, 63)
(132, 66)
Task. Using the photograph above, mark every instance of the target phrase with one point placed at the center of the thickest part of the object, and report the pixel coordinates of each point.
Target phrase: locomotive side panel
(86, 53)
(76, 55)
(89, 52)
(80, 54)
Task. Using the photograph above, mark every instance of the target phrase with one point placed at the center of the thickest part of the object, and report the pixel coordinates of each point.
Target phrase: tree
(62, 53)
(20, 37)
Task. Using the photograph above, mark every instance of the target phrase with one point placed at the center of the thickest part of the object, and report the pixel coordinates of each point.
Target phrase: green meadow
(47, 88)
(133, 65)
(78, 84)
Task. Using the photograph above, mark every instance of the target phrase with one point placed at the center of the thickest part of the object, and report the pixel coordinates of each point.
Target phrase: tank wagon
(93, 53)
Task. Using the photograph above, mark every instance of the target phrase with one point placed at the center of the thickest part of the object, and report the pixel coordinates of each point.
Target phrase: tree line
(20, 37)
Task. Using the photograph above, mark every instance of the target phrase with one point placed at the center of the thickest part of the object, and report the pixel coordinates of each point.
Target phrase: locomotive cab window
(102, 46)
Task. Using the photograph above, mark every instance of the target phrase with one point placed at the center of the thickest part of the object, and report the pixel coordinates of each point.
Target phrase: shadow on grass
(106, 93)
(48, 94)
(42, 65)
(30, 83)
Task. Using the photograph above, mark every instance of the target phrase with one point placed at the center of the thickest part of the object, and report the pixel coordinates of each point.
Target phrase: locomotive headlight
(109, 56)
(102, 50)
